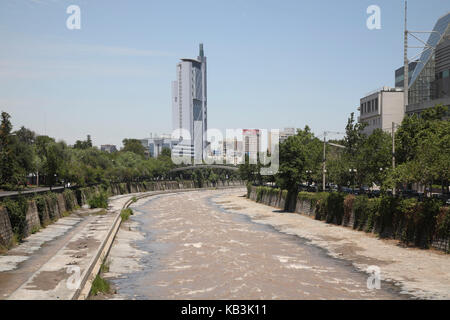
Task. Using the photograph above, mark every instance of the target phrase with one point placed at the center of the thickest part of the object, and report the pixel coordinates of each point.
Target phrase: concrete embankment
(74, 249)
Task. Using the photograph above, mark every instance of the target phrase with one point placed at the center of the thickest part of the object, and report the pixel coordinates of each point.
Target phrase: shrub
(360, 210)
(335, 207)
(52, 201)
(443, 223)
(307, 196)
(17, 211)
(100, 285)
(373, 216)
(424, 222)
(126, 213)
(99, 200)
(321, 205)
(249, 189)
(69, 199)
(41, 204)
(389, 219)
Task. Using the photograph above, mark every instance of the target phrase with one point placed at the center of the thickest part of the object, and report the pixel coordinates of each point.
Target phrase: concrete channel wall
(277, 199)
(52, 206)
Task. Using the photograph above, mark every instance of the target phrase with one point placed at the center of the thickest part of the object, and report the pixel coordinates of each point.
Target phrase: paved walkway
(48, 263)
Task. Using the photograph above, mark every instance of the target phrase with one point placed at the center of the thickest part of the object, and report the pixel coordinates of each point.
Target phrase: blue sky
(271, 64)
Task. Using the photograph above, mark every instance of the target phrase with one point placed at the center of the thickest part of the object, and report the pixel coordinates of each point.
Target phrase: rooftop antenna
(201, 54)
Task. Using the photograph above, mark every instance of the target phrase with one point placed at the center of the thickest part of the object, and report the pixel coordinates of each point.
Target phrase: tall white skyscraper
(189, 106)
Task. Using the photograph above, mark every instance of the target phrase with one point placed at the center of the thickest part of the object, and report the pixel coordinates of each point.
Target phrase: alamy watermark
(74, 281)
(373, 22)
(73, 22)
(374, 279)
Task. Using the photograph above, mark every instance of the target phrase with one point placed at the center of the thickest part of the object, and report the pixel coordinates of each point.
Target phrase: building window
(445, 73)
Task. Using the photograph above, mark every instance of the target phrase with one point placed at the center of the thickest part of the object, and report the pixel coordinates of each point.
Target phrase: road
(199, 245)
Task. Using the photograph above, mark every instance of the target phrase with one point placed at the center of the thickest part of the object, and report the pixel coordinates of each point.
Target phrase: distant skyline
(271, 64)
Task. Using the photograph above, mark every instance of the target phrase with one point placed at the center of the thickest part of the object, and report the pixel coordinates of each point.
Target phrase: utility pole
(406, 65)
(393, 152)
(324, 160)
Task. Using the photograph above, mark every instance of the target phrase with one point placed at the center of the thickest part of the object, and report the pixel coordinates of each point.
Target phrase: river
(192, 246)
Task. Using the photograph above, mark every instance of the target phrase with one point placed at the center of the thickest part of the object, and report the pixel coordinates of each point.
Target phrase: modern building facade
(189, 106)
(251, 143)
(429, 84)
(380, 108)
(286, 133)
(400, 74)
(157, 142)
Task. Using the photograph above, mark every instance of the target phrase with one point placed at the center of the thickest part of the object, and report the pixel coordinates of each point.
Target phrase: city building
(400, 74)
(251, 143)
(429, 83)
(380, 108)
(286, 133)
(110, 148)
(156, 143)
(233, 151)
(189, 106)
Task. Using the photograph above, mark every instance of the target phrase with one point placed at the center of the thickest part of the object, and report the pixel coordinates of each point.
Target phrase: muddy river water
(194, 246)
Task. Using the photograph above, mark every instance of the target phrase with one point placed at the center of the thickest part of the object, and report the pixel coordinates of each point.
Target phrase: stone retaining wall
(5, 228)
(32, 219)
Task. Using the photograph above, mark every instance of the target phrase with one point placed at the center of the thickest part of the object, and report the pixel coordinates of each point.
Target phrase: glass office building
(423, 84)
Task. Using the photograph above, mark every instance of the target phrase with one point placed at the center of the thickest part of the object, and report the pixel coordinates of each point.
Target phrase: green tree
(133, 145)
(374, 157)
(297, 154)
(8, 164)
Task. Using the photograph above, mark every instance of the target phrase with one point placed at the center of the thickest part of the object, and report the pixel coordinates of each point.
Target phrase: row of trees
(422, 152)
(22, 153)
(52, 162)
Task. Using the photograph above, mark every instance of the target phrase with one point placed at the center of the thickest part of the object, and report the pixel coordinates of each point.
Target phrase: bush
(389, 215)
(249, 189)
(52, 201)
(41, 204)
(126, 213)
(373, 216)
(100, 285)
(17, 211)
(69, 199)
(360, 210)
(99, 200)
(335, 208)
(321, 205)
(421, 221)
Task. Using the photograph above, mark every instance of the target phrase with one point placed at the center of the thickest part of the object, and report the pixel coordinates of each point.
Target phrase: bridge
(205, 166)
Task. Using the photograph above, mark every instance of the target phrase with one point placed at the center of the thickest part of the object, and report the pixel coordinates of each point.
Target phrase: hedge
(412, 222)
